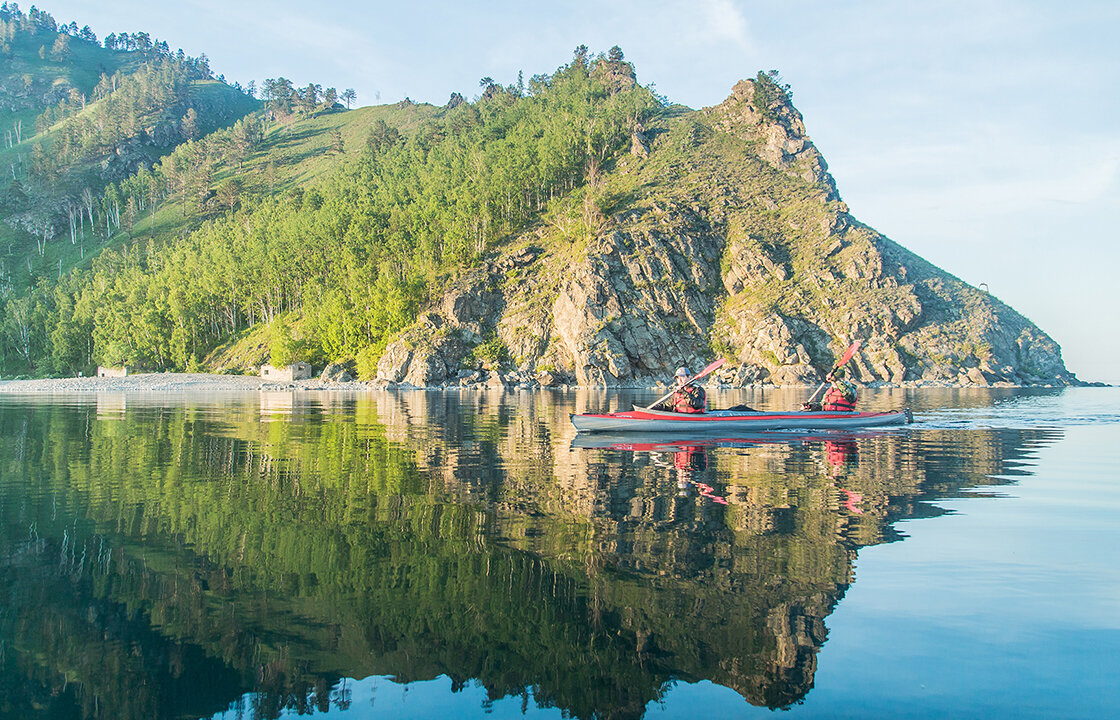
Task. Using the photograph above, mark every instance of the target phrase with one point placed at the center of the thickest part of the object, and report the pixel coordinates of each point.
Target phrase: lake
(463, 554)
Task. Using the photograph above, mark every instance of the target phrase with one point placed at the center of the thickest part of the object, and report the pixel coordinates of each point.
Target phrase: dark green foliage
(770, 93)
(81, 128)
(355, 255)
(492, 353)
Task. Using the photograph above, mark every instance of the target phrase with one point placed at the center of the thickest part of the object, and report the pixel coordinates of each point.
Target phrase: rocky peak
(615, 73)
(771, 119)
(737, 245)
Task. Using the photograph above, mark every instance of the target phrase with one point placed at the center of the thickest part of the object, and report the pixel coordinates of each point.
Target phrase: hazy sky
(982, 135)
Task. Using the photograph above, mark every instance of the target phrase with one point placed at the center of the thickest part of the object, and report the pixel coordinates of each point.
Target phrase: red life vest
(689, 399)
(834, 401)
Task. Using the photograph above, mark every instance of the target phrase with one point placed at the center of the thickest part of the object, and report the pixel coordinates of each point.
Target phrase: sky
(984, 136)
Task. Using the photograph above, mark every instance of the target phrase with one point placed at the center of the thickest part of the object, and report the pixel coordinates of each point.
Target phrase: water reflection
(166, 557)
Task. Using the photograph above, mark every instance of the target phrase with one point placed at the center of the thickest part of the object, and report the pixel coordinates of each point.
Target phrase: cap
(682, 372)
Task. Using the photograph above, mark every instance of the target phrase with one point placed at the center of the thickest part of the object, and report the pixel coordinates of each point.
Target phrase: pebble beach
(170, 383)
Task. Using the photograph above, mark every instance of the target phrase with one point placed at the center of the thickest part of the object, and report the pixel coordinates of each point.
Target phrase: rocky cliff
(720, 234)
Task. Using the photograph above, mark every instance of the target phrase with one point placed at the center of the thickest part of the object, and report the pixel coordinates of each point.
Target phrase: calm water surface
(440, 555)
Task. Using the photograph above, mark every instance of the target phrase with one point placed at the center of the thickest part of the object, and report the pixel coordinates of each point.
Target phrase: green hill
(721, 233)
(78, 116)
(575, 226)
(279, 158)
(347, 218)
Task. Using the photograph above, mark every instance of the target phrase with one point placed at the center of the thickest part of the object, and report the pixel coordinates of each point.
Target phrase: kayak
(645, 420)
(677, 441)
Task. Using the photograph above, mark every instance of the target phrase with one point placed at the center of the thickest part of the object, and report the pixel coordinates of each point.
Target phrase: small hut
(295, 371)
(116, 372)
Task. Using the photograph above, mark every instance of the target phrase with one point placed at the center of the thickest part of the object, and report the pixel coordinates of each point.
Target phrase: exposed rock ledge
(735, 243)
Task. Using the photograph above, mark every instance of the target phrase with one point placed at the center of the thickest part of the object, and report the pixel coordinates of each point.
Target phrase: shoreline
(204, 382)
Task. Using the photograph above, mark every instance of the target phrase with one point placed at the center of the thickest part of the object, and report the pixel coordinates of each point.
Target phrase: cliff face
(721, 234)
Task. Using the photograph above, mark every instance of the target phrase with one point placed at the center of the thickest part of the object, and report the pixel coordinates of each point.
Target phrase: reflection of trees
(68, 651)
(409, 535)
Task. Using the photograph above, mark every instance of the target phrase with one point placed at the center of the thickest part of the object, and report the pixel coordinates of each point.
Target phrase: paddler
(687, 398)
(841, 395)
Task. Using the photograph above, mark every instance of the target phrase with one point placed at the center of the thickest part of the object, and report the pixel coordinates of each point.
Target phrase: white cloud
(723, 20)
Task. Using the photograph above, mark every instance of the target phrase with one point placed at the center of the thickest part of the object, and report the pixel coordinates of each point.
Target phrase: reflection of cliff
(423, 534)
(798, 510)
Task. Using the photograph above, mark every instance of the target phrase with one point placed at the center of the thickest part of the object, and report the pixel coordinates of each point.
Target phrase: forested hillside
(721, 233)
(572, 227)
(84, 125)
(350, 249)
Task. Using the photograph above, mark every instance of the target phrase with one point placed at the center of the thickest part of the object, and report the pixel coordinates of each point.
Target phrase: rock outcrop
(730, 239)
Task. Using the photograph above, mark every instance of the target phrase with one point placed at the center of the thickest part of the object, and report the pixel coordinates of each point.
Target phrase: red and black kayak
(645, 420)
(677, 441)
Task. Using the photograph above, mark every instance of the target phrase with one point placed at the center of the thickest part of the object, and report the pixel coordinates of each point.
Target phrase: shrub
(492, 352)
(282, 348)
(768, 91)
(366, 361)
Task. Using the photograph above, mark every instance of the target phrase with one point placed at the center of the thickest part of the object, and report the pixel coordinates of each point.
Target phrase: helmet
(682, 372)
(837, 373)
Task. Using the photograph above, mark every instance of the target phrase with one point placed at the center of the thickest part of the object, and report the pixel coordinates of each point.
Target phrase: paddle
(714, 366)
(848, 355)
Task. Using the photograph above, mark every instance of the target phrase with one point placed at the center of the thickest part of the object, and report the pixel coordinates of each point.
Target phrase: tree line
(36, 22)
(282, 97)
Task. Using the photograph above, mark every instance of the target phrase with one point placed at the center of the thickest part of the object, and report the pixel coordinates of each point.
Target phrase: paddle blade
(714, 366)
(848, 355)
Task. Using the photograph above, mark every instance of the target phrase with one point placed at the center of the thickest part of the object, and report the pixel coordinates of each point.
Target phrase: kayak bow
(644, 420)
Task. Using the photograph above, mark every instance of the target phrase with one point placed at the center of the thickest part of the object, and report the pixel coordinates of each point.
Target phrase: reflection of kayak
(644, 420)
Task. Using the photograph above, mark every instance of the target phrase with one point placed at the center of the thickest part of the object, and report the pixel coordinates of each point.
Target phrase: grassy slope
(18, 253)
(301, 149)
(298, 151)
(301, 153)
(80, 70)
(19, 258)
